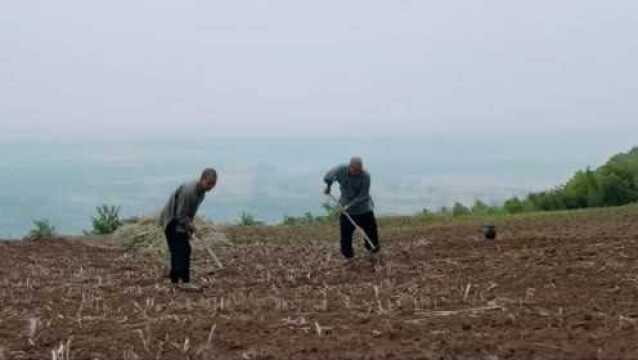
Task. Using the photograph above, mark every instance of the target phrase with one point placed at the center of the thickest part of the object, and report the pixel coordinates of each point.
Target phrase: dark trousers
(180, 248)
(368, 223)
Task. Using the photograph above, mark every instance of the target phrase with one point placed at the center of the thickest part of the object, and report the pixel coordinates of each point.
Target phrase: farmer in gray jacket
(354, 183)
(177, 221)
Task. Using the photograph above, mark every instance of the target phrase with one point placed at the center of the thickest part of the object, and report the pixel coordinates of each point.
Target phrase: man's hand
(341, 208)
(190, 228)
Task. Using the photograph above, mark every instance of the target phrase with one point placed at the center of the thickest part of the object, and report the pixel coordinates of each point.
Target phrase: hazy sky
(156, 68)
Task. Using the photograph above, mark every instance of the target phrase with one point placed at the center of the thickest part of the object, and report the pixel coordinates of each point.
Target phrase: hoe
(356, 226)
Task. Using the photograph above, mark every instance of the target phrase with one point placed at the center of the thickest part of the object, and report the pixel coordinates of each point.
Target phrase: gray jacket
(182, 206)
(355, 190)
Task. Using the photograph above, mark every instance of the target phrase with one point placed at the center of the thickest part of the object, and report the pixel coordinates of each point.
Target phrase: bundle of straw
(147, 235)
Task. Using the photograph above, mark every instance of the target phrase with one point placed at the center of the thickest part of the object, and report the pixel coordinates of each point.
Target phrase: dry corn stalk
(148, 236)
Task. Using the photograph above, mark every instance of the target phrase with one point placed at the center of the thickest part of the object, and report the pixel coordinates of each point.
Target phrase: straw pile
(147, 235)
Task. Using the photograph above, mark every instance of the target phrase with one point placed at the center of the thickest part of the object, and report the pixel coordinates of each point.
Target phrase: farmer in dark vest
(354, 183)
(177, 221)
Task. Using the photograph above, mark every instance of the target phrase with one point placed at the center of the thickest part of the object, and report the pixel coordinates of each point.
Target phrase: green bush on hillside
(42, 229)
(480, 207)
(460, 210)
(332, 214)
(246, 219)
(613, 184)
(107, 219)
(514, 206)
(307, 218)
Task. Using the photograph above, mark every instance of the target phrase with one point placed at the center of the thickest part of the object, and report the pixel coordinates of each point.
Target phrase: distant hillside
(613, 184)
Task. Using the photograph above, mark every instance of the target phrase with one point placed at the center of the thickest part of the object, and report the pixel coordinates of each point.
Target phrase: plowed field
(561, 286)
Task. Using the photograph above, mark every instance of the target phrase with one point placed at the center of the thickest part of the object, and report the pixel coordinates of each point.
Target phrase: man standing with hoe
(356, 205)
(177, 221)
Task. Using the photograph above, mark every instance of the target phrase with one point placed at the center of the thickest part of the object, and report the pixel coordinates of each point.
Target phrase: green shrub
(308, 218)
(428, 215)
(42, 230)
(290, 220)
(332, 214)
(460, 210)
(480, 208)
(514, 206)
(613, 184)
(107, 219)
(247, 219)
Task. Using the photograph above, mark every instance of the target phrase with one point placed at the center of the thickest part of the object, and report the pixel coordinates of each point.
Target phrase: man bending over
(354, 183)
(177, 221)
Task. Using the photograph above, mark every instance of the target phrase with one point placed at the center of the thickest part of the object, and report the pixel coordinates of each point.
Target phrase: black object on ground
(489, 231)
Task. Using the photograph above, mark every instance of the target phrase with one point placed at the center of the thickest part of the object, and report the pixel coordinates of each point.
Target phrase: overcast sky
(157, 68)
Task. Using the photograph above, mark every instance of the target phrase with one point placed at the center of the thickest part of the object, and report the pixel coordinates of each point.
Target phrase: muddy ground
(552, 287)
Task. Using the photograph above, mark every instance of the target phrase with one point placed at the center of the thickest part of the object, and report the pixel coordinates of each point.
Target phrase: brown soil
(562, 287)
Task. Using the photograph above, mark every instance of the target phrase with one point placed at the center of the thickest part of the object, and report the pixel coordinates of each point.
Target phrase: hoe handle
(356, 226)
(210, 251)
